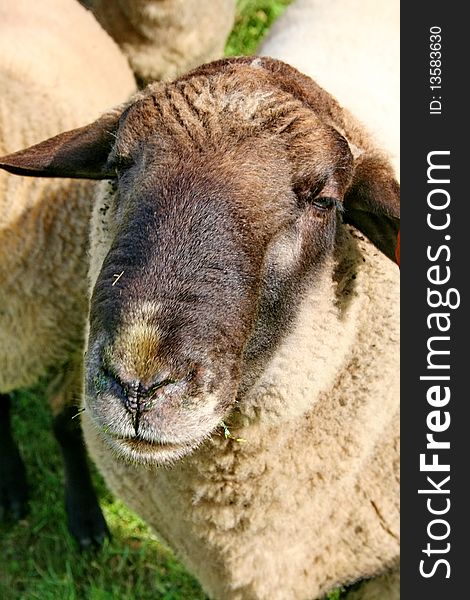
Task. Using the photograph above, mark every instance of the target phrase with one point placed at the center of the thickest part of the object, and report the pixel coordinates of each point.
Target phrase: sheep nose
(136, 396)
(133, 395)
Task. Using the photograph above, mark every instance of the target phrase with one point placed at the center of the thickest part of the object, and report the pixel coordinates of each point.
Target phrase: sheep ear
(79, 154)
(372, 203)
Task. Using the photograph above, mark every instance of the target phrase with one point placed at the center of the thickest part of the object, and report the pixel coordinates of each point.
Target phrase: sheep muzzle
(156, 407)
(171, 311)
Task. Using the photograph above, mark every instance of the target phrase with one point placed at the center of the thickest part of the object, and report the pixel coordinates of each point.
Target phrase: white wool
(352, 49)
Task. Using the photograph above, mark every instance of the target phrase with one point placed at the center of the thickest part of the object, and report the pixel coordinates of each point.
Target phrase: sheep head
(225, 192)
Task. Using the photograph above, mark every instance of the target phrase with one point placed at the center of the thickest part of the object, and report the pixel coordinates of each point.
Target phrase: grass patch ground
(38, 559)
(253, 20)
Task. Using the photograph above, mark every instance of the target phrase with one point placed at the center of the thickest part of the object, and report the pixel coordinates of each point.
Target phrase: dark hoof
(13, 486)
(87, 525)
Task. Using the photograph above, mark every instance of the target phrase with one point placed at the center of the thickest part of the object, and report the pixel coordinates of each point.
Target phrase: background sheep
(165, 38)
(223, 281)
(50, 80)
(352, 49)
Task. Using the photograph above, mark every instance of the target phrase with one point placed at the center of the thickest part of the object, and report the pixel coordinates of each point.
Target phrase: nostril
(135, 395)
(151, 390)
(132, 395)
(109, 381)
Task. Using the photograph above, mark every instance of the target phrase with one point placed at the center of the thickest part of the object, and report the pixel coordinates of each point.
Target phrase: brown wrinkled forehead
(221, 107)
(212, 107)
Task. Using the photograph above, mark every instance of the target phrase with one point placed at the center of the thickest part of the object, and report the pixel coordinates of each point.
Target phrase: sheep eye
(324, 202)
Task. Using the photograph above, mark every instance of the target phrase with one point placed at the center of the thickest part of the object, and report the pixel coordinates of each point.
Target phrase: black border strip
(423, 131)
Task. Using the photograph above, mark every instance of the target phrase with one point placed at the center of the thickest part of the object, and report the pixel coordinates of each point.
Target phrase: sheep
(241, 370)
(329, 40)
(164, 38)
(51, 80)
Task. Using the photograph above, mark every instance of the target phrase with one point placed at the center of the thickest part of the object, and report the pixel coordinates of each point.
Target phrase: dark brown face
(222, 208)
(211, 237)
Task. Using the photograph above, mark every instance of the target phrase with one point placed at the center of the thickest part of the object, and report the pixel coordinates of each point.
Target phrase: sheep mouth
(156, 453)
(141, 445)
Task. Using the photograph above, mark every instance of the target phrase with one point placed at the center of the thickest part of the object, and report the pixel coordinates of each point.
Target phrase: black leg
(13, 485)
(85, 519)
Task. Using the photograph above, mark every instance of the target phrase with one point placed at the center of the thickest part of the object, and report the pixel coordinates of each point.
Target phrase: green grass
(253, 19)
(38, 559)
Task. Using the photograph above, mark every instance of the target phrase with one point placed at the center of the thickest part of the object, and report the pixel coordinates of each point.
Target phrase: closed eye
(325, 203)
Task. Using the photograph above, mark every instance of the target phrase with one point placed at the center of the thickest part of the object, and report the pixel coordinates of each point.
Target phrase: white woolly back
(350, 48)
